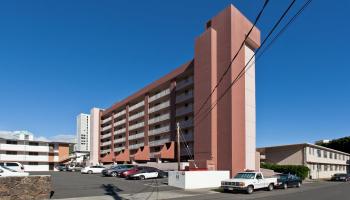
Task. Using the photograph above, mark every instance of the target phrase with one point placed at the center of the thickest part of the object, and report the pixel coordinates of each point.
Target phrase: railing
(137, 115)
(105, 151)
(136, 146)
(117, 123)
(159, 142)
(123, 130)
(136, 136)
(118, 114)
(135, 126)
(159, 118)
(106, 143)
(186, 124)
(157, 131)
(184, 96)
(131, 108)
(184, 110)
(106, 127)
(119, 140)
(106, 136)
(118, 149)
(158, 107)
(188, 137)
(107, 120)
(184, 83)
(159, 95)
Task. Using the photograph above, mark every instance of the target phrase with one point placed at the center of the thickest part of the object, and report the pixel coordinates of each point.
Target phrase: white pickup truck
(248, 181)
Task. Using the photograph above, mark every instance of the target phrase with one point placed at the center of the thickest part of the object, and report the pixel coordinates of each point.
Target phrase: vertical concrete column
(205, 79)
(173, 110)
(146, 117)
(127, 127)
(112, 137)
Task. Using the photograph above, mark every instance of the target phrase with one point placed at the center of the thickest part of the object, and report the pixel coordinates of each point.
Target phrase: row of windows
(15, 153)
(15, 142)
(325, 167)
(326, 154)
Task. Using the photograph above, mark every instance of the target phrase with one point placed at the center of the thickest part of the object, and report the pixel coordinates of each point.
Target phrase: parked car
(146, 173)
(341, 177)
(117, 170)
(97, 169)
(248, 181)
(6, 171)
(13, 165)
(126, 173)
(61, 167)
(74, 167)
(288, 180)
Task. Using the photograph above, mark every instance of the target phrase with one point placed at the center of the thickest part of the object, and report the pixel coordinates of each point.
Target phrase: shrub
(299, 170)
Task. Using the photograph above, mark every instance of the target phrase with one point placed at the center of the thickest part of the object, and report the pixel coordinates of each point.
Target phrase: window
(33, 163)
(313, 166)
(34, 143)
(331, 168)
(325, 168)
(11, 164)
(325, 154)
(335, 156)
(33, 153)
(330, 155)
(11, 152)
(318, 153)
(11, 142)
(319, 167)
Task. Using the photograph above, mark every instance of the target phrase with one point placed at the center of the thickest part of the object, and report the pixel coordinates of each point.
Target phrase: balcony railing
(131, 108)
(137, 136)
(118, 114)
(159, 142)
(106, 127)
(118, 149)
(159, 118)
(107, 120)
(159, 95)
(159, 107)
(137, 115)
(157, 131)
(120, 122)
(119, 140)
(136, 146)
(106, 135)
(186, 124)
(135, 126)
(184, 96)
(184, 83)
(106, 143)
(184, 110)
(123, 130)
(105, 151)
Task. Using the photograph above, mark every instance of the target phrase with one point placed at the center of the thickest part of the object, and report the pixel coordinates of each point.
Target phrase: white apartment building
(323, 162)
(83, 132)
(34, 155)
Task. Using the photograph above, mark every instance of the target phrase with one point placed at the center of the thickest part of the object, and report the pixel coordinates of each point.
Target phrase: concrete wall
(25, 188)
(287, 155)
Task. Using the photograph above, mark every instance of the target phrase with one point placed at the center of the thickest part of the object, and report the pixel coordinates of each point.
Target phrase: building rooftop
(304, 144)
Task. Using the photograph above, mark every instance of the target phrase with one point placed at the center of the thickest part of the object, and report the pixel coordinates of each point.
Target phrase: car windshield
(245, 175)
(11, 170)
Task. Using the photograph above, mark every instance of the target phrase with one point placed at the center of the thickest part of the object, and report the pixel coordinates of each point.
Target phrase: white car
(5, 171)
(97, 169)
(146, 173)
(13, 165)
(249, 181)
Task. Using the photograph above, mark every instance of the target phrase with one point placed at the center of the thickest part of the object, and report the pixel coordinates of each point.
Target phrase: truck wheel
(250, 189)
(89, 172)
(285, 186)
(270, 187)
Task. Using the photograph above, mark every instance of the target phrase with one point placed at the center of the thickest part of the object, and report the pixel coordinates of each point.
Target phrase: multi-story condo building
(83, 132)
(143, 126)
(323, 162)
(34, 155)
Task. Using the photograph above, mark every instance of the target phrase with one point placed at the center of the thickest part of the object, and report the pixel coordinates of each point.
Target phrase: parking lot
(83, 186)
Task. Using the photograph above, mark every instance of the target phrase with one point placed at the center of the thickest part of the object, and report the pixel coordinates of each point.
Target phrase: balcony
(137, 136)
(117, 149)
(137, 115)
(159, 95)
(107, 120)
(136, 146)
(119, 140)
(184, 97)
(138, 105)
(106, 128)
(118, 114)
(157, 131)
(106, 135)
(159, 107)
(159, 119)
(120, 122)
(21, 147)
(159, 142)
(186, 124)
(123, 130)
(106, 143)
(105, 151)
(184, 83)
(136, 126)
(184, 110)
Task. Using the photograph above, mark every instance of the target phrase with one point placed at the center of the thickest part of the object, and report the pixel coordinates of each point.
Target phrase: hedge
(299, 170)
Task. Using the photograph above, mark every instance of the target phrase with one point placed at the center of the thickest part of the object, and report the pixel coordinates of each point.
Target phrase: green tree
(341, 144)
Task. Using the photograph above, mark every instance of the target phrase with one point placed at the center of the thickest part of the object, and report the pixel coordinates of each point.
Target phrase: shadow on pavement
(112, 191)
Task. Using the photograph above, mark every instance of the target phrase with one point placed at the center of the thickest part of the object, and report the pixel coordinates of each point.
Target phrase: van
(13, 165)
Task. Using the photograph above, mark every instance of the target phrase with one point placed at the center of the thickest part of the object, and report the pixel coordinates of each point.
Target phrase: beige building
(323, 162)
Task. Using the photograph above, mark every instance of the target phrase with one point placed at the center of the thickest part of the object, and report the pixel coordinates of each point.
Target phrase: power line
(234, 57)
(273, 40)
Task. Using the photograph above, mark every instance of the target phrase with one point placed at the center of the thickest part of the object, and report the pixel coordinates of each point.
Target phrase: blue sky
(60, 58)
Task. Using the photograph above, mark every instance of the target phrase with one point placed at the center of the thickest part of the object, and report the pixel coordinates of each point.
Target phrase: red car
(126, 173)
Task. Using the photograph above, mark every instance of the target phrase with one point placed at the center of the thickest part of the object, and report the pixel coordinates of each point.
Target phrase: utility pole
(178, 145)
